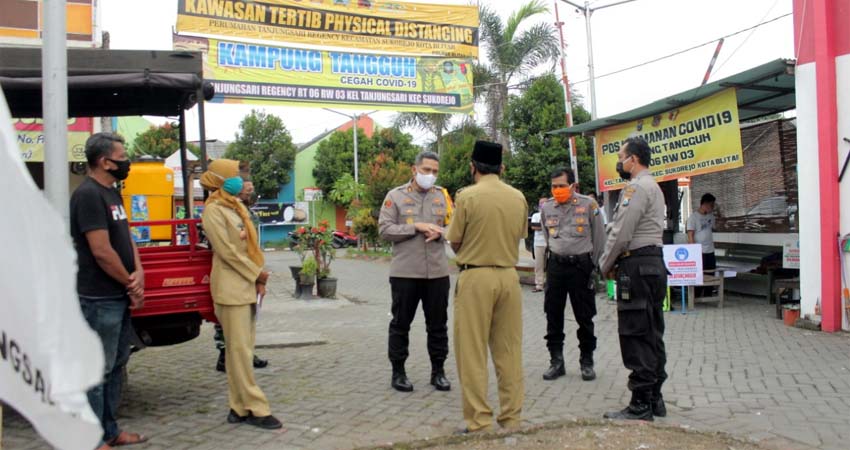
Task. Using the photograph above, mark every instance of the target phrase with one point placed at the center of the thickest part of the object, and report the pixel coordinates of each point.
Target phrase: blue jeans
(110, 319)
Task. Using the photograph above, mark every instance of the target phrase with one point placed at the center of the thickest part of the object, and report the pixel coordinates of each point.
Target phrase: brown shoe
(105, 447)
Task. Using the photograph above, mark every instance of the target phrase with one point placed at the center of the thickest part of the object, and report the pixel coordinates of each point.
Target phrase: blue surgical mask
(232, 185)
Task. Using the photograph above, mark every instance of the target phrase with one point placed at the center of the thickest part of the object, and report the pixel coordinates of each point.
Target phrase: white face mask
(425, 181)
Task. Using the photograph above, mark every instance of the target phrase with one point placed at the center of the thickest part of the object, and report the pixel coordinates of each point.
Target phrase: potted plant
(307, 277)
(326, 285)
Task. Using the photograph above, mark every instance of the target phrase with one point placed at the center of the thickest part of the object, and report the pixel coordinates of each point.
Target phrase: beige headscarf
(212, 180)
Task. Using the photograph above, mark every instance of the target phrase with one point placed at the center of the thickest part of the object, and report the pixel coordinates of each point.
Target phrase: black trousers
(406, 294)
(641, 287)
(565, 277)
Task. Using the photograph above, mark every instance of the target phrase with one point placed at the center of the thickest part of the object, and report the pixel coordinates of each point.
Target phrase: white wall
(842, 72)
(809, 188)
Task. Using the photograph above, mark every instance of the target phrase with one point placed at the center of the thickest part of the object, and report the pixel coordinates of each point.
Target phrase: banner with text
(379, 25)
(253, 73)
(695, 139)
(30, 134)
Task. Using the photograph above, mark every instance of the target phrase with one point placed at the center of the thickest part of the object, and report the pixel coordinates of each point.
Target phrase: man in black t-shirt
(110, 281)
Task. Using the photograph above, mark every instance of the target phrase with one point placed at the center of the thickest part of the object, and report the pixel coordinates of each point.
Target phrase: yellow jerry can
(148, 194)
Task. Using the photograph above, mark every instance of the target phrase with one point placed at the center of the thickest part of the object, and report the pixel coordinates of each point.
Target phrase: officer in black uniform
(633, 256)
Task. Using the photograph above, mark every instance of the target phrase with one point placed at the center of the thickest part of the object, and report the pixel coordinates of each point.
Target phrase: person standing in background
(539, 248)
(701, 231)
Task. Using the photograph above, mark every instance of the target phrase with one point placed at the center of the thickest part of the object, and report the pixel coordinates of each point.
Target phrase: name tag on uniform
(581, 209)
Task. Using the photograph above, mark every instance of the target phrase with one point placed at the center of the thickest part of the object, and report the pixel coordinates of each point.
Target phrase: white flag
(49, 356)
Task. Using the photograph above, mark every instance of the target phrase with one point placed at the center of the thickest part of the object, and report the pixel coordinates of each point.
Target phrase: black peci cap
(487, 153)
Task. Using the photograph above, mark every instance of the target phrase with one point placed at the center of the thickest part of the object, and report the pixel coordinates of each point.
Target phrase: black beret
(487, 153)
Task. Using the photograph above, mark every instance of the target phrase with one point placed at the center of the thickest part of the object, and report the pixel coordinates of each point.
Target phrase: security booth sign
(684, 264)
(695, 139)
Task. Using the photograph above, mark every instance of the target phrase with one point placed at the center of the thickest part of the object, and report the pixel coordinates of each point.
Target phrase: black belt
(649, 250)
(570, 259)
(470, 266)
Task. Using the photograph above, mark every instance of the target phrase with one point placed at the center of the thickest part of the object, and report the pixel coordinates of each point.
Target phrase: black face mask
(622, 171)
(123, 169)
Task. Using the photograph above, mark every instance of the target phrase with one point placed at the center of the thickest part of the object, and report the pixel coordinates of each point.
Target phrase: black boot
(587, 372)
(219, 366)
(556, 367)
(400, 381)
(260, 363)
(638, 409)
(438, 378)
(659, 409)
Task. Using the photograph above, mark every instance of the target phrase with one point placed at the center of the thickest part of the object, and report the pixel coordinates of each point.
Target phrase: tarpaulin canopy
(107, 82)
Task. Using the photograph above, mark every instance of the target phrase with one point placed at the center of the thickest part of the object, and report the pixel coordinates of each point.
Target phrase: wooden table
(711, 277)
(781, 283)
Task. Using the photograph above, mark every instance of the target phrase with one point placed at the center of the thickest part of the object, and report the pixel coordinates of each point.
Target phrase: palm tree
(438, 124)
(513, 54)
(435, 123)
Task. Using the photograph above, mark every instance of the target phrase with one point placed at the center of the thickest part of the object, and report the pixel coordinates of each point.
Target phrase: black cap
(487, 153)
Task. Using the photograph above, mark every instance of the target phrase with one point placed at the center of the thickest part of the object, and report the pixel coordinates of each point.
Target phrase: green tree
(345, 190)
(382, 174)
(454, 161)
(396, 144)
(266, 144)
(335, 155)
(434, 123)
(530, 116)
(513, 54)
(160, 141)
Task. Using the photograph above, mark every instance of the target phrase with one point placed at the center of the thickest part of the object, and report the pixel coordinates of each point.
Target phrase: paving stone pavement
(736, 370)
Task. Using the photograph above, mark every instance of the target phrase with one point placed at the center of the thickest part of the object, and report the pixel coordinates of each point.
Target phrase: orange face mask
(562, 194)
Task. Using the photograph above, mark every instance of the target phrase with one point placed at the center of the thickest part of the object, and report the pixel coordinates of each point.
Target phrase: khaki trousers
(240, 329)
(488, 314)
(539, 266)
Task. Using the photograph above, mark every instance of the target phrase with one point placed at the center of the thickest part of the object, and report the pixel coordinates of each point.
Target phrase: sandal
(125, 438)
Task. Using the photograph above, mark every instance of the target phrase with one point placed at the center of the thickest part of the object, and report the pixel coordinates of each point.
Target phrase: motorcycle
(342, 239)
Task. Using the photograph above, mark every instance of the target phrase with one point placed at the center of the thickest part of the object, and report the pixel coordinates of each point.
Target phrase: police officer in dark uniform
(575, 238)
(633, 256)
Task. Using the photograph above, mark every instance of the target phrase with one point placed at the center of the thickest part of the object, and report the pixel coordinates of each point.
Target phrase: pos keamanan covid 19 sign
(695, 139)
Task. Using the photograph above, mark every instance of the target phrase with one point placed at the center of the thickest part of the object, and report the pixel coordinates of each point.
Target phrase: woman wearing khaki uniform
(236, 280)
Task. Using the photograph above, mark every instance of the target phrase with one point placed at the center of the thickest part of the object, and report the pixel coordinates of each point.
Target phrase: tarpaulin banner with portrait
(255, 73)
(376, 25)
(699, 138)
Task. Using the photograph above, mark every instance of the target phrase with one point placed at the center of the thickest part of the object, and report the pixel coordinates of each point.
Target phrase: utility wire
(747, 38)
(661, 58)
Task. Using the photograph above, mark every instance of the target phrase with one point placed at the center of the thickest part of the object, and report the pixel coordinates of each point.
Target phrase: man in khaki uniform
(633, 256)
(412, 218)
(575, 237)
(236, 280)
(488, 223)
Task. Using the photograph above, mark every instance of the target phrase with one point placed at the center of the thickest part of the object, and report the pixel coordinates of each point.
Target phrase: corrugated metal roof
(762, 91)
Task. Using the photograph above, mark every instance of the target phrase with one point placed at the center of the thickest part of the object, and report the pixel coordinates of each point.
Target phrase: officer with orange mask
(575, 236)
